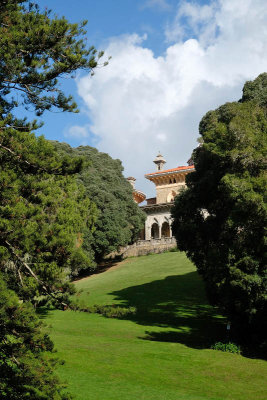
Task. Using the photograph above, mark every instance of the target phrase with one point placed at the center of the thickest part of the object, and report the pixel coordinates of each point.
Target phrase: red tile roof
(185, 167)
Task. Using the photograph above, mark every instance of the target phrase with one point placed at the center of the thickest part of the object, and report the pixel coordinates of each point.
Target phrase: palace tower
(168, 184)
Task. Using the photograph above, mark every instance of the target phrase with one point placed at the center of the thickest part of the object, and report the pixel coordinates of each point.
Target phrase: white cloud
(80, 134)
(193, 19)
(161, 4)
(140, 103)
(77, 132)
(161, 137)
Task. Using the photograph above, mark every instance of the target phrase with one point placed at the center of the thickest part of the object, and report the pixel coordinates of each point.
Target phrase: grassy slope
(161, 353)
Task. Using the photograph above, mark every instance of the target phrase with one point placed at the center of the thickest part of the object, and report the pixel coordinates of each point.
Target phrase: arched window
(171, 196)
(142, 234)
(165, 230)
(155, 231)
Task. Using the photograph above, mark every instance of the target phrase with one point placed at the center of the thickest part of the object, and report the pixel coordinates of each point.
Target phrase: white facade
(168, 184)
(158, 222)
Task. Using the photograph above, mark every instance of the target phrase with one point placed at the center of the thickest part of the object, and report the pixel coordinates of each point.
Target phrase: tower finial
(159, 161)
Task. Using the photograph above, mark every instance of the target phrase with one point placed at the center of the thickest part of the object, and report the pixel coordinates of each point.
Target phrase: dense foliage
(43, 211)
(119, 218)
(220, 219)
(26, 359)
(43, 215)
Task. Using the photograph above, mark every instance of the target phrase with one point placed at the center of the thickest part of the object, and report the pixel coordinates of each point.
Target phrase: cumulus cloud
(141, 104)
(193, 19)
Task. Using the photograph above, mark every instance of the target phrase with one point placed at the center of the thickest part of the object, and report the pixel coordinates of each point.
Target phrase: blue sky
(106, 19)
(172, 61)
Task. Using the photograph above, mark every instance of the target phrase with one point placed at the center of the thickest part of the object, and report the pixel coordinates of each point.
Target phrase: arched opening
(165, 230)
(142, 234)
(171, 196)
(155, 231)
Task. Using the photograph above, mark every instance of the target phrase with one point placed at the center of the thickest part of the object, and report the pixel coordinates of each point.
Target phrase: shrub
(109, 311)
(226, 347)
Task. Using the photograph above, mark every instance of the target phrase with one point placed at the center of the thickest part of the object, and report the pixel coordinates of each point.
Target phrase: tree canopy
(36, 51)
(43, 215)
(119, 219)
(43, 210)
(220, 219)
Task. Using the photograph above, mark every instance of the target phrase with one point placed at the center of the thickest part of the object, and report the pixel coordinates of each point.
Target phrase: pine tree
(43, 211)
(27, 361)
(43, 216)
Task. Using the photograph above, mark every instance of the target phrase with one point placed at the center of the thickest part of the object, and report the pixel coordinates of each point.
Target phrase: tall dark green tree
(43, 211)
(220, 219)
(119, 218)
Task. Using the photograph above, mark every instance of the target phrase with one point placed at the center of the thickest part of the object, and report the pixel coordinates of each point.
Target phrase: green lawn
(159, 353)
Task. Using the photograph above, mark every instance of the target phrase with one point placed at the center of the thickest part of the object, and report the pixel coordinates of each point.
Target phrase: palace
(168, 184)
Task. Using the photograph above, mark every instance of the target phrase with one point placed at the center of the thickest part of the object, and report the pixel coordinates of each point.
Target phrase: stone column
(147, 231)
(160, 227)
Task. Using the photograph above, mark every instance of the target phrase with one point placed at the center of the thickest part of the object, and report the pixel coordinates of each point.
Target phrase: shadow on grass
(179, 304)
(103, 266)
(43, 312)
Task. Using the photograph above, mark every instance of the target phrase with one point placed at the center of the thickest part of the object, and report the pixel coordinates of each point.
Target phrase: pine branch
(31, 165)
(30, 271)
(12, 357)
